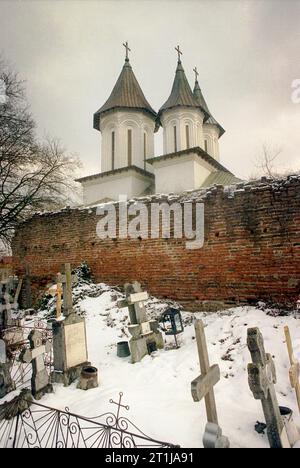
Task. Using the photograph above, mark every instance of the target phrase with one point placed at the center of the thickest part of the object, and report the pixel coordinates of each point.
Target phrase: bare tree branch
(34, 176)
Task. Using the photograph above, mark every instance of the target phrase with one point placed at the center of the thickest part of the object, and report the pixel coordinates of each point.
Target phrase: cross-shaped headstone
(294, 371)
(5, 306)
(67, 280)
(6, 383)
(35, 356)
(196, 73)
(2, 352)
(178, 52)
(203, 387)
(135, 299)
(127, 49)
(262, 377)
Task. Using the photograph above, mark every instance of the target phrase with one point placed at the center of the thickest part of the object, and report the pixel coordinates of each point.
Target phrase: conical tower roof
(126, 94)
(181, 94)
(199, 98)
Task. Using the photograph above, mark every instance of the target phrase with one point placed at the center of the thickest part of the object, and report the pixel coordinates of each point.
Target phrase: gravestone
(262, 378)
(40, 380)
(294, 371)
(203, 387)
(145, 333)
(12, 332)
(6, 383)
(69, 338)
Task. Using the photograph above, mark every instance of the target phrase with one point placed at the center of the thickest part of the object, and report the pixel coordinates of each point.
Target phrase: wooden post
(59, 291)
(294, 371)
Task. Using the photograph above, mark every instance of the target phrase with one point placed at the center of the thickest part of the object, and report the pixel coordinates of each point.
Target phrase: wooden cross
(196, 73)
(294, 371)
(35, 356)
(203, 387)
(67, 281)
(127, 49)
(262, 377)
(178, 52)
(59, 291)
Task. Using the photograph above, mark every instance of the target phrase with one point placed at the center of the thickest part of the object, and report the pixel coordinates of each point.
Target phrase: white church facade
(128, 124)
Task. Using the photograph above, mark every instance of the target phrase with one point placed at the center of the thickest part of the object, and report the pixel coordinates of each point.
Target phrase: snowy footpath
(158, 389)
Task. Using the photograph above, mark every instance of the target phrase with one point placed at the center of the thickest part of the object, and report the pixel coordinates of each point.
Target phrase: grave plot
(158, 388)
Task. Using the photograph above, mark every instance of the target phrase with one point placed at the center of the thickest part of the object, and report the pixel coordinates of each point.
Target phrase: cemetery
(242, 397)
(149, 258)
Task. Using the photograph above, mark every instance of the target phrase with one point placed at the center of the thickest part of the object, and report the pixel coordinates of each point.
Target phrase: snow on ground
(158, 389)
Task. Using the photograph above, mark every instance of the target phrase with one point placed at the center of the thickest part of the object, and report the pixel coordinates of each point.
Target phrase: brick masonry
(251, 250)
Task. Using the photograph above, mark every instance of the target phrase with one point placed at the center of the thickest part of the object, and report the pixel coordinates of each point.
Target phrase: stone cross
(6, 383)
(67, 280)
(294, 371)
(5, 306)
(203, 387)
(135, 299)
(178, 52)
(35, 355)
(262, 377)
(127, 49)
(2, 352)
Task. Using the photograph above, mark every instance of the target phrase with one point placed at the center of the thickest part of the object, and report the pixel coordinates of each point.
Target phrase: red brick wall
(251, 250)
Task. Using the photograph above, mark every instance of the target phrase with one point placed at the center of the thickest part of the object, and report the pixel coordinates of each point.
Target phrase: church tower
(127, 124)
(181, 117)
(212, 130)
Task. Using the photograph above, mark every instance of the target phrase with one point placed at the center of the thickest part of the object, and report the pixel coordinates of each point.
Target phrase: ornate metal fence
(24, 424)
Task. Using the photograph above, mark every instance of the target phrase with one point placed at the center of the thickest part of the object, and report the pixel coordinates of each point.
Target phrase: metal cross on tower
(196, 73)
(127, 49)
(178, 52)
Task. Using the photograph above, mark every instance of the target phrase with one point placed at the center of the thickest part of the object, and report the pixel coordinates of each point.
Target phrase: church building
(128, 123)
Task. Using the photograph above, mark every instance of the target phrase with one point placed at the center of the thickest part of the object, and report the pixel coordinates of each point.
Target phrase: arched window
(206, 145)
(187, 136)
(129, 147)
(175, 138)
(112, 151)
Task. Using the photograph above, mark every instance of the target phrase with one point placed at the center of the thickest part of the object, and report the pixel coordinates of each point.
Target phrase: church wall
(179, 174)
(251, 250)
(128, 183)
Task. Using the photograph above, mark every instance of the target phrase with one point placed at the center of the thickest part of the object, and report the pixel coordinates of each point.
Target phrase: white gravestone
(69, 338)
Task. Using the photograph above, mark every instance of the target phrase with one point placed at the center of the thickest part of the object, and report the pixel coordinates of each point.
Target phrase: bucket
(123, 349)
(88, 378)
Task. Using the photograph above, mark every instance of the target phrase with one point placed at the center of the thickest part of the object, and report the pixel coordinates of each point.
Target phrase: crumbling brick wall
(251, 250)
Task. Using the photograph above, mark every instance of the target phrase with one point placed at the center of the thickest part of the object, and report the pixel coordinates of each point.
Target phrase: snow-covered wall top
(251, 249)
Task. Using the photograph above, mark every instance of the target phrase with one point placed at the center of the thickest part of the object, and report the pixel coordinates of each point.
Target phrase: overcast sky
(247, 53)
